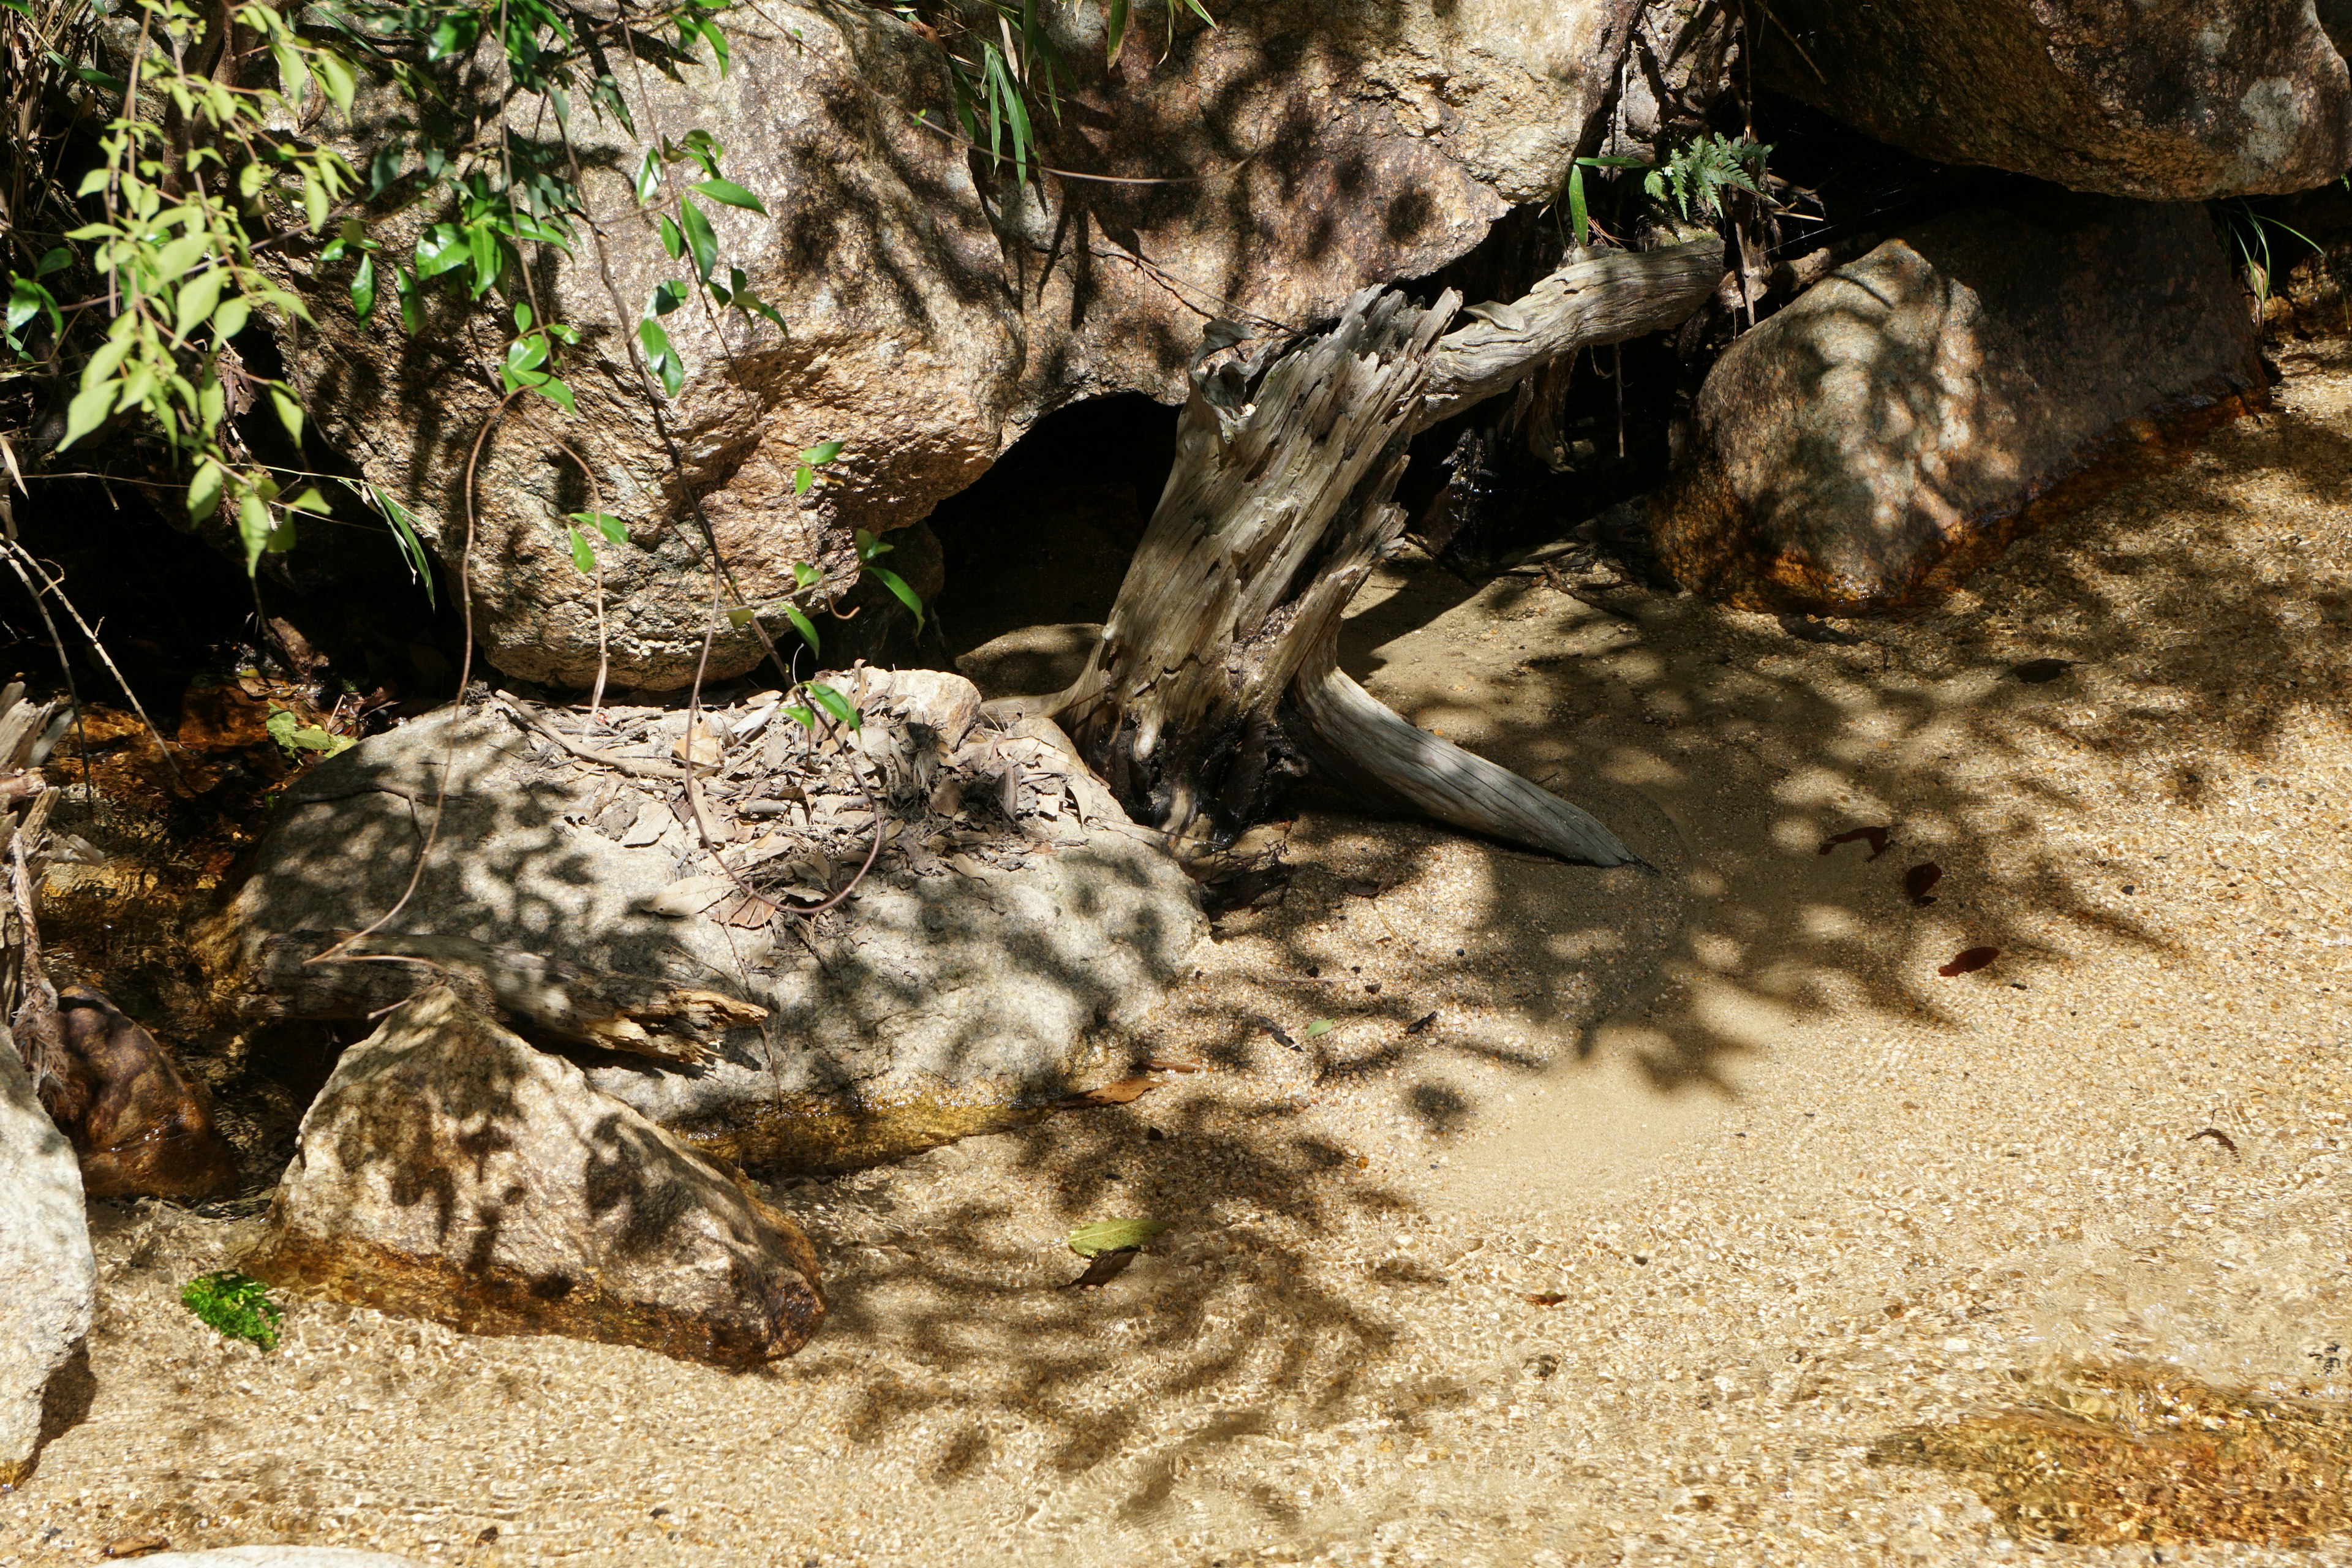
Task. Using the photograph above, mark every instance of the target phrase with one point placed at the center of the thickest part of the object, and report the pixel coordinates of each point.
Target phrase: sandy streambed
(1706, 1220)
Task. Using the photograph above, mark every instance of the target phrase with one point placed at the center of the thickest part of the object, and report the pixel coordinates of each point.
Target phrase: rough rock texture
(47, 1275)
(141, 1126)
(956, 988)
(1878, 433)
(1319, 148)
(450, 1171)
(2169, 102)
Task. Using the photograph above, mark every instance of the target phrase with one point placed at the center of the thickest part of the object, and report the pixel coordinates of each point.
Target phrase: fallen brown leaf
(137, 1546)
(1549, 1299)
(2219, 1136)
(1968, 960)
(1126, 1091)
(1920, 880)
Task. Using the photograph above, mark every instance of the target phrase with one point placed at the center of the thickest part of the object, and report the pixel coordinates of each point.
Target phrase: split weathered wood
(1216, 675)
(529, 990)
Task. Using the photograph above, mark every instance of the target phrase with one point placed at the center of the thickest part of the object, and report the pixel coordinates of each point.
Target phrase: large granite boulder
(48, 1276)
(450, 1171)
(1015, 928)
(1881, 433)
(2168, 102)
(1316, 148)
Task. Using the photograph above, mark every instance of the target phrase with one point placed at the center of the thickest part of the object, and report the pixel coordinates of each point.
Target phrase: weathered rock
(1314, 148)
(49, 1277)
(957, 990)
(278, 1557)
(1879, 433)
(141, 1125)
(450, 1171)
(2177, 102)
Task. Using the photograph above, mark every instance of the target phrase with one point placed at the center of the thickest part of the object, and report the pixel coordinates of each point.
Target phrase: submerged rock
(2179, 102)
(1014, 928)
(451, 1171)
(1878, 434)
(48, 1276)
(141, 1125)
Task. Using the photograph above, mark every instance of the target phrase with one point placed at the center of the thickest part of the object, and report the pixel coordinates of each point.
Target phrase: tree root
(1376, 751)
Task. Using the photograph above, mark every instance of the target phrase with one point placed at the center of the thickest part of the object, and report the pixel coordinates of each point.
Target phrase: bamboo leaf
(364, 288)
(289, 412)
(835, 703)
(733, 194)
(897, 585)
(699, 238)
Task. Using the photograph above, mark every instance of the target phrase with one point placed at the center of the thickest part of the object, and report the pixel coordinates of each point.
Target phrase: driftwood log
(527, 990)
(1217, 672)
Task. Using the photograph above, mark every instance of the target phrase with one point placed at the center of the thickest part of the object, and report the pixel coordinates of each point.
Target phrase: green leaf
(308, 499)
(663, 359)
(453, 34)
(672, 241)
(233, 1305)
(603, 522)
(897, 587)
(1114, 29)
(87, 411)
(699, 238)
(1319, 1026)
(805, 575)
(336, 78)
(403, 530)
(835, 703)
(411, 290)
(27, 300)
(1113, 1235)
(1579, 217)
(869, 547)
(177, 259)
(253, 528)
(289, 412)
(807, 628)
(293, 76)
(54, 259)
(584, 558)
(230, 318)
(741, 616)
(444, 247)
(801, 716)
(204, 487)
(364, 288)
(733, 194)
(824, 453)
(382, 170)
(555, 391)
(802, 479)
(668, 295)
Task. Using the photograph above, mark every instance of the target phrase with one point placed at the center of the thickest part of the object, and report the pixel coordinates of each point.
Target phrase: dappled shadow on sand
(2161, 626)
